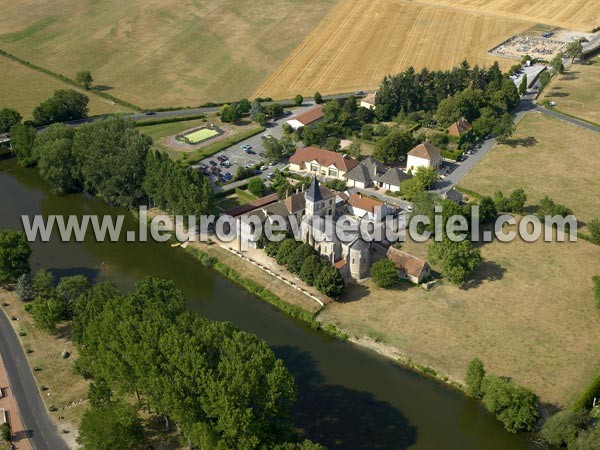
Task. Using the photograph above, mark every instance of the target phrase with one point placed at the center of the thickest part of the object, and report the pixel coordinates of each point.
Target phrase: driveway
(43, 435)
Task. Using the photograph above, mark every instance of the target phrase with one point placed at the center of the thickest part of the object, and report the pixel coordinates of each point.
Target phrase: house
(460, 128)
(372, 173)
(369, 101)
(409, 267)
(321, 162)
(424, 155)
(307, 118)
(365, 207)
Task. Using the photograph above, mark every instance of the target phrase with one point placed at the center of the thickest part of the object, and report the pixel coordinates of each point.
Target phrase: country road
(43, 435)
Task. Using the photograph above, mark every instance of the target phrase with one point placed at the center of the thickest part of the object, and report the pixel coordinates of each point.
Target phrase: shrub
(587, 398)
(24, 289)
(298, 99)
(594, 228)
(514, 203)
(384, 274)
(5, 432)
(474, 378)
(330, 282)
(596, 280)
(547, 207)
(208, 261)
(257, 186)
(564, 427)
(311, 267)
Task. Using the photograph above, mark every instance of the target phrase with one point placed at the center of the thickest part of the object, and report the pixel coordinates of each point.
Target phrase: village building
(409, 267)
(365, 207)
(321, 162)
(369, 101)
(307, 118)
(460, 128)
(424, 155)
(372, 173)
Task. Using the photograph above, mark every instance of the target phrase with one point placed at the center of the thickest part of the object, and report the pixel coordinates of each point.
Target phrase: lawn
(546, 156)
(529, 315)
(361, 41)
(577, 91)
(161, 53)
(23, 89)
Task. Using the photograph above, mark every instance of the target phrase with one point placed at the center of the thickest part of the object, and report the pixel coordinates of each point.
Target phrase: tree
(114, 426)
(63, 106)
(544, 79)
(514, 203)
(523, 86)
(43, 284)
(299, 255)
(257, 186)
(353, 150)
(286, 248)
(574, 50)
(557, 64)
(8, 119)
(273, 148)
(392, 146)
(385, 274)
(260, 118)
(515, 406)
(48, 313)
(230, 113)
(474, 378)
(318, 98)
(332, 144)
(5, 432)
(311, 267)
(304, 445)
(14, 255)
(426, 176)
(587, 440)
(22, 139)
(563, 428)
(457, 259)
(69, 289)
(547, 207)
(58, 166)
(24, 289)
(298, 100)
(487, 210)
(84, 78)
(330, 282)
(504, 127)
(288, 146)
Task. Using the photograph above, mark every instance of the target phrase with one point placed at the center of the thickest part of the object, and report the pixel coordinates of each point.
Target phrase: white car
(409, 208)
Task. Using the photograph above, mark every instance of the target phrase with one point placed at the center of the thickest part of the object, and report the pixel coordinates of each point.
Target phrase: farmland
(23, 89)
(577, 91)
(581, 15)
(165, 53)
(523, 316)
(361, 41)
(545, 157)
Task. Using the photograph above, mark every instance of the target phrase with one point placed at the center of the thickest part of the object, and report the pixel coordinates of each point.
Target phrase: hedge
(469, 192)
(68, 80)
(218, 146)
(147, 123)
(587, 398)
(452, 155)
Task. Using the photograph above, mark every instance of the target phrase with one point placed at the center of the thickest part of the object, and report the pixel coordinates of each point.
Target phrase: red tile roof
(461, 126)
(251, 206)
(410, 264)
(426, 150)
(365, 203)
(324, 157)
(310, 116)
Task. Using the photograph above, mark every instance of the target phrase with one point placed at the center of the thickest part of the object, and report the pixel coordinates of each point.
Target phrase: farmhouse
(370, 172)
(460, 128)
(424, 155)
(321, 162)
(365, 207)
(409, 267)
(307, 118)
(369, 101)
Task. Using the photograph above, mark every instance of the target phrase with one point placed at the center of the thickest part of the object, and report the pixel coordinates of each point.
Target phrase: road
(43, 435)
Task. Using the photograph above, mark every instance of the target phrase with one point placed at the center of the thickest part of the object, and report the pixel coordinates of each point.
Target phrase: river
(349, 398)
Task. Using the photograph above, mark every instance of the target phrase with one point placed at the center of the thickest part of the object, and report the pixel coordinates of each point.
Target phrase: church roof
(313, 193)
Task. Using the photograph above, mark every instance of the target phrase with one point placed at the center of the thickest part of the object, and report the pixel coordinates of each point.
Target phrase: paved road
(560, 116)
(43, 435)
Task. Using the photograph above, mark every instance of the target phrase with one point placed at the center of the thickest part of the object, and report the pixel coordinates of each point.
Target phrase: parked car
(262, 155)
(270, 175)
(409, 208)
(212, 163)
(228, 176)
(272, 163)
(220, 158)
(203, 166)
(150, 113)
(246, 147)
(263, 167)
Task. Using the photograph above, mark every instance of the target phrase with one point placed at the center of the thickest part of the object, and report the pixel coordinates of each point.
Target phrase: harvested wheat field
(361, 41)
(581, 15)
(529, 314)
(161, 52)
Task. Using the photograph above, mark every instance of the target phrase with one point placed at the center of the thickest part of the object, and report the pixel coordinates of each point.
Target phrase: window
(314, 167)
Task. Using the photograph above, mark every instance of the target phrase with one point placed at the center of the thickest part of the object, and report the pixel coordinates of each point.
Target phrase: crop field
(22, 88)
(581, 15)
(529, 314)
(577, 91)
(161, 52)
(361, 41)
(545, 156)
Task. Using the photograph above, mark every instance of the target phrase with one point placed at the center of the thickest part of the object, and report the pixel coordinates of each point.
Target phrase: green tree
(8, 119)
(426, 176)
(557, 64)
(297, 258)
(318, 98)
(48, 313)
(22, 139)
(332, 144)
(230, 113)
(311, 267)
(58, 166)
(391, 147)
(385, 274)
(353, 150)
(24, 288)
(43, 284)
(14, 255)
(114, 426)
(474, 378)
(298, 100)
(5, 432)
(574, 50)
(304, 445)
(84, 78)
(523, 86)
(544, 79)
(547, 207)
(330, 282)
(260, 118)
(63, 106)
(288, 146)
(562, 428)
(515, 406)
(273, 148)
(69, 289)
(487, 210)
(504, 127)
(457, 259)
(257, 186)
(587, 440)
(286, 248)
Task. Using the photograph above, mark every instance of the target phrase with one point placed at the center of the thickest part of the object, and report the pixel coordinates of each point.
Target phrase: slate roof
(370, 169)
(313, 193)
(393, 176)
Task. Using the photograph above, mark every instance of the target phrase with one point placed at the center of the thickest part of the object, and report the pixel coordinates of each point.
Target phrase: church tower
(313, 199)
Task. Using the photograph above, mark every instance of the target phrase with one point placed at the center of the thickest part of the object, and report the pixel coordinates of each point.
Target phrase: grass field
(23, 89)
(577, 92)
(581, 15)
(547, 157)
(529, 315)
(201, 135)
(361, 41)
(161, 53)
